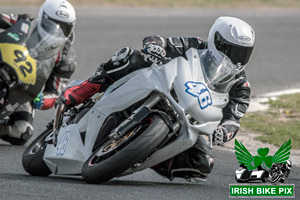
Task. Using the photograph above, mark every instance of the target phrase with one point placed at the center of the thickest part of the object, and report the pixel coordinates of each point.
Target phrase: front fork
(58, 118)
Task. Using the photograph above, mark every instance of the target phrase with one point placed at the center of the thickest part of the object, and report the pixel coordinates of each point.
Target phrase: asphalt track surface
(99, 33)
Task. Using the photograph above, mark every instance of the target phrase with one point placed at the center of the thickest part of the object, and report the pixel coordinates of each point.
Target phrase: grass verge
(280, 123)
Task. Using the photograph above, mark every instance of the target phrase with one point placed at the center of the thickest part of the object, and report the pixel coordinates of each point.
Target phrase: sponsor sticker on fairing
(24, 28)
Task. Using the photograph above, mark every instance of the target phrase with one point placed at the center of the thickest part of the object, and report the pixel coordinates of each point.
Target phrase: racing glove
(38, 102)
(155, 54)
(224, 133)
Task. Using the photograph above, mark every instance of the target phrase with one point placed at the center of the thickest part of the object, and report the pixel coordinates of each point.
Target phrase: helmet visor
(46, 41)
(66, 27)
(236, 53)
(51, 28)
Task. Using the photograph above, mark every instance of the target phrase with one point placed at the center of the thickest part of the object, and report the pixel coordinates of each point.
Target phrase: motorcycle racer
(19, 129)
(279, 172)
(230, 36)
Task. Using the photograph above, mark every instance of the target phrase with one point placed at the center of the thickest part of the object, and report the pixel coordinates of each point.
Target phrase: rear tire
(32, 159)
(114, 157)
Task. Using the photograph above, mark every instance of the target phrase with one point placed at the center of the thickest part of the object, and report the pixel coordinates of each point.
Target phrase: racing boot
(18, 141)
(98, 82)
(77, 94)
(194, 164)
(19, 129)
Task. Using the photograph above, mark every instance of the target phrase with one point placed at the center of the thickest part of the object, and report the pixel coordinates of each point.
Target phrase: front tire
(116, 156)
(32, 159)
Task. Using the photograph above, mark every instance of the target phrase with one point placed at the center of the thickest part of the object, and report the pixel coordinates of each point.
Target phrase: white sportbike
(143, 119)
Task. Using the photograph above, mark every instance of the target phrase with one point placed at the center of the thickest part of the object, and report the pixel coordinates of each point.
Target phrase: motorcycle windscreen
(219, 73)
(46, 40)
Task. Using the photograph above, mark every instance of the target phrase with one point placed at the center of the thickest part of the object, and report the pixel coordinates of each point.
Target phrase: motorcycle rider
(279, 172)
(230, 36)
(20, 128)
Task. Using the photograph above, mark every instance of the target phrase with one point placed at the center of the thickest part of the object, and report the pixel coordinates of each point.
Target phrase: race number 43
(200, 91)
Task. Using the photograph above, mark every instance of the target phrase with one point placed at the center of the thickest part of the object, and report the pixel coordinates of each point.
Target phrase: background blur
(172, 3)
(103, 27)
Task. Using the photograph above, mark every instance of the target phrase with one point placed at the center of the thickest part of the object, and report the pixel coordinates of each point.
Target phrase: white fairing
(194, 98)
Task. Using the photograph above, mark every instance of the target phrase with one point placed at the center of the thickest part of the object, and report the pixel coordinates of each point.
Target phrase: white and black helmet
(234, 37)
(59, 11)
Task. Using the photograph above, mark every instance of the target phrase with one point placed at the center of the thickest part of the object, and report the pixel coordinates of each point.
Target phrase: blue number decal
(200, 91)
(62, 144)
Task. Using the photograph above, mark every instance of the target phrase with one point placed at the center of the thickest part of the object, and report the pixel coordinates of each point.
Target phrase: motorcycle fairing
(16, 34)
(133, 88)
(17, 57)
(208, 119)
(75, 151)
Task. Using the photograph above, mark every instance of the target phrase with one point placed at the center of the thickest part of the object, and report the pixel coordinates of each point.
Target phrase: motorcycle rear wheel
(32, 159)
(116, 156)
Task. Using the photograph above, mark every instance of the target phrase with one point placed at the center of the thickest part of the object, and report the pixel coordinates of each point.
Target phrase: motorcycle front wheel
(116, 156)
(32, 159)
